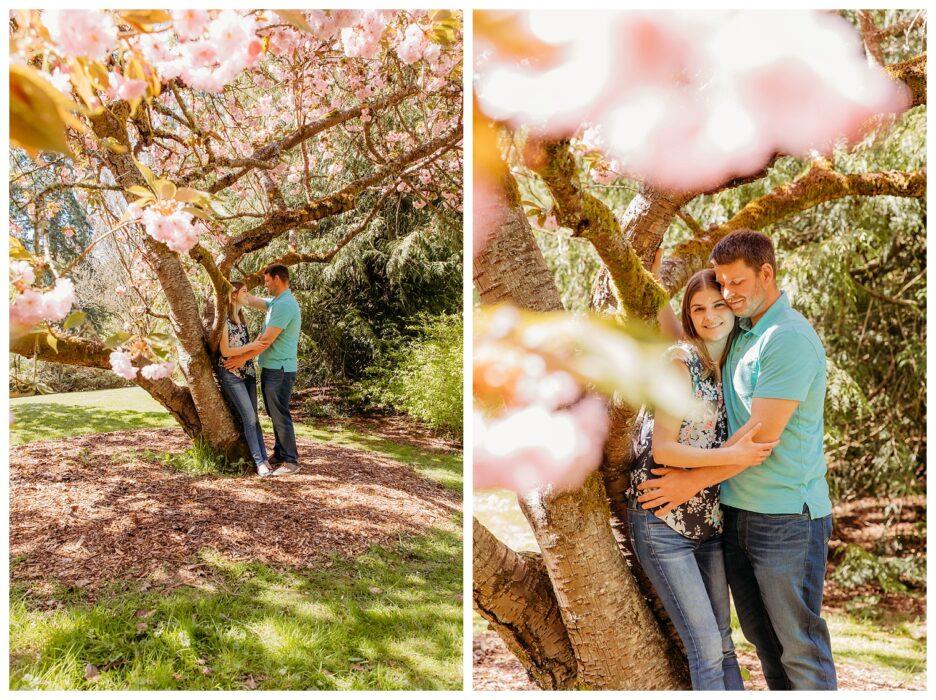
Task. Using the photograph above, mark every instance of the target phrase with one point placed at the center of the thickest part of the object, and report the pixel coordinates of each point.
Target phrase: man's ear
(767, 273)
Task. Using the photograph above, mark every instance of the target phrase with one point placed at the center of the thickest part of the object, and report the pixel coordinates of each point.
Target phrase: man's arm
(676, 486)
(256, 347)
(255, 302)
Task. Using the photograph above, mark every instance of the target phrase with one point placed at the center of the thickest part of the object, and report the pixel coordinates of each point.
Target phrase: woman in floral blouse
(240, 385)
(682, 552)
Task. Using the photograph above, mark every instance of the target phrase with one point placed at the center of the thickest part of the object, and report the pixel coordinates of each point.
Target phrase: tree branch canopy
(912, 72)
(819, 184)
(336, 203)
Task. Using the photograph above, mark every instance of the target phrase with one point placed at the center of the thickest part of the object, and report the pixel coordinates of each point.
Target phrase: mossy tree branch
(635, 289)
(820, 183)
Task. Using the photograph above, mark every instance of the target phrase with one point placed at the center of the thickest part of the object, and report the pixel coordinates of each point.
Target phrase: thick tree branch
(636, 290)
(87, 352)
(819, 184)
(912, 73)
(513, 593)
(271, 151)
(294, 257)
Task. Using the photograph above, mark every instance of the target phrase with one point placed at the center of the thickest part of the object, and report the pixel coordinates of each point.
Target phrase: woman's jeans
(689, 577)
(242, 394)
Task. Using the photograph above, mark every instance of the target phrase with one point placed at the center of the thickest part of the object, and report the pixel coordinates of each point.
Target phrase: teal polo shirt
(780, 357)
(282, 312)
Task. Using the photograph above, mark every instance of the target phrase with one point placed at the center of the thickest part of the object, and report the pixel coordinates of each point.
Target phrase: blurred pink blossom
(190, 24)
(687, 100)
(534, 447)
(161, 370)
(81, 33)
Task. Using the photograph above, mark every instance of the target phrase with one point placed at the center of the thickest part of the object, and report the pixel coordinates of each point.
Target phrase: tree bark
(616, 641)
(218, 428)
(513, 593)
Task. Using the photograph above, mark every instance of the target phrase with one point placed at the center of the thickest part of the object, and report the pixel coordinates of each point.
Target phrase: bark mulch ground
(88, 511)
(495, 668)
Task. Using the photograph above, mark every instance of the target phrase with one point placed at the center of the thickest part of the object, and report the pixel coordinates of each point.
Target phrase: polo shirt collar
(286, 291)
(773, 314)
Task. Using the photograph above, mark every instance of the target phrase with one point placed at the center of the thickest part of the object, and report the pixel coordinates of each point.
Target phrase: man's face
(269, 283)
(744, 288)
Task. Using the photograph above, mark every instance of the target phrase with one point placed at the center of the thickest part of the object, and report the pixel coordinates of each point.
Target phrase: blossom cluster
(30, 305)
(211, 52)
(689, 100)
(168, 222)
(121, 363)
(540, 427)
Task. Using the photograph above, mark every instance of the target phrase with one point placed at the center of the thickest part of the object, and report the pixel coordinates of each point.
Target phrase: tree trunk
(513, 593)
(218, 427)
(616, 641)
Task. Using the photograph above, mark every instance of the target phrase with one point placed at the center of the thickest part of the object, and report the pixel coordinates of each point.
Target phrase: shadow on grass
(387, 619)
(50, 421)
(444, 468)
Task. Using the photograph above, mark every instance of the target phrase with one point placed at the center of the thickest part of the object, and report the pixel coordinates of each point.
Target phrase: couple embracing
(742, 501)
(277, 348)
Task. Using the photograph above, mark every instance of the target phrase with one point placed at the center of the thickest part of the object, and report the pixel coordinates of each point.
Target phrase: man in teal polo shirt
(777, 515)
(278, 363)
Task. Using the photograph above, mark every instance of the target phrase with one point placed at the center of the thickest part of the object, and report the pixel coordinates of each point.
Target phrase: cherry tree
(674, 106)
(203, 145)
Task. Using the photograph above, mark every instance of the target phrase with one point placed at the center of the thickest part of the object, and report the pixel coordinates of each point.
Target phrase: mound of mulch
(90, 510)
(495, 668)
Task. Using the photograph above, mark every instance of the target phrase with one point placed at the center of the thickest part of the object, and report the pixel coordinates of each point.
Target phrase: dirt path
(495, 668)
(91, 509)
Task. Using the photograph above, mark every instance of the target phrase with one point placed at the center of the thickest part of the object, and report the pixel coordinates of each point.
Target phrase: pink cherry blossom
(81, 33)
(121, 364)
(414, 42)
(231, 32)
(58, 302)
(533, 447)
(168, 223)
(27, 308)
(669, 98)
(21, 274)
(162, 370)
(128, 88)
(190, 24)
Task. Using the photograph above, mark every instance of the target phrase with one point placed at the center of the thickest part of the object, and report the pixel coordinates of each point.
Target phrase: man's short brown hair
(277, 270)
(753, 247)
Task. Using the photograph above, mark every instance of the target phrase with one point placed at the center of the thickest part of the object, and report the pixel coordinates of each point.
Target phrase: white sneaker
(264, 469)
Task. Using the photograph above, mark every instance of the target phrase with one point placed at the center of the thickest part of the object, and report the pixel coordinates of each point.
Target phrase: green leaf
(140, 192)
(200, 213)
(117, 339)
(165, 189)
(52, 341)
(189, 194)
(75, 318)
(147, 174)
(18, 250)
(113, 145)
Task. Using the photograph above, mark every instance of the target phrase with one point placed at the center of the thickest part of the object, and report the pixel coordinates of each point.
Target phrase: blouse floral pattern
(701, 516)
(238, 337)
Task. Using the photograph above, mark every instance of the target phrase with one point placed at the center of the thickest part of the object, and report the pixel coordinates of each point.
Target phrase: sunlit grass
(387, 619)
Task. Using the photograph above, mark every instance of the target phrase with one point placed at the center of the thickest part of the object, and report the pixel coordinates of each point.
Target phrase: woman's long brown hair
(235, 288)
(703, 279)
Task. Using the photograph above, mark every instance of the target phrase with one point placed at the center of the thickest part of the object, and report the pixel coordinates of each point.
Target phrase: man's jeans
(689, 578)
(776, 567)
(242, 393)
(276, 386)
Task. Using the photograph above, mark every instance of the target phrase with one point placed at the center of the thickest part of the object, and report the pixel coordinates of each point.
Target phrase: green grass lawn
(387, 619)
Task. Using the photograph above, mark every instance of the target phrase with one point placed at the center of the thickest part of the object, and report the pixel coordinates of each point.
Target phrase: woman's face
(711, 317)
(238, 296)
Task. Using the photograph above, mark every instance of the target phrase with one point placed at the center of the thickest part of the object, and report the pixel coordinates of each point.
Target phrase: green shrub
(200, 459)
(859, 567)
(422, 377)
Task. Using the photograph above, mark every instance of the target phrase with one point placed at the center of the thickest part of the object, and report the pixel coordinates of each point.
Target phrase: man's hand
(236, 362)
(672, 489)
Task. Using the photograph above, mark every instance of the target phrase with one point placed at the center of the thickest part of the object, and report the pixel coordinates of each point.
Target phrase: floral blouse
(701, 516)
(238, 337)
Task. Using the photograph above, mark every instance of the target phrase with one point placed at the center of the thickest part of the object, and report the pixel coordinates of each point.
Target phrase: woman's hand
(746, 451)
